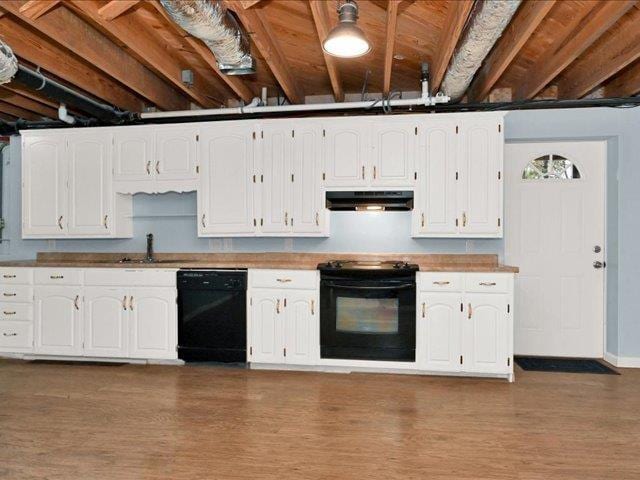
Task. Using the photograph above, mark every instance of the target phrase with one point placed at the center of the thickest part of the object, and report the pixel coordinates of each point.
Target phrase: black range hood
(370, 200)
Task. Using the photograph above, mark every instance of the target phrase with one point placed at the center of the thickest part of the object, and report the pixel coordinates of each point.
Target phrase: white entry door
(554, 226)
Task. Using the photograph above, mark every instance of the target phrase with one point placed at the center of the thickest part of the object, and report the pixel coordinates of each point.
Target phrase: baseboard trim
(622, 362)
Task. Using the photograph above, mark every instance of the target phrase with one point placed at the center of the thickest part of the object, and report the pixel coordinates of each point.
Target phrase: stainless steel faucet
(149, 257)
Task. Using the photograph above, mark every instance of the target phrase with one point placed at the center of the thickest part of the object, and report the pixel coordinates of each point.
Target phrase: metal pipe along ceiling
(487, 24)
(212, 23)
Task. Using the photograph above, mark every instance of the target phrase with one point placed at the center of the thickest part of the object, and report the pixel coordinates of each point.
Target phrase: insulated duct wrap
(218, 28)
(486, 26)
(8, 63)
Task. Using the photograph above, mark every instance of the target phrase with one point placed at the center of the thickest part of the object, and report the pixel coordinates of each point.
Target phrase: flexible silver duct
(211, 22)
(8, 63)
(486, 26)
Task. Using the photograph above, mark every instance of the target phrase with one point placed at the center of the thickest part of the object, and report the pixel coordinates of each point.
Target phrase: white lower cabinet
(439, 324)
(105, 322)
(283, 322)
(153, 323)
(58, 320)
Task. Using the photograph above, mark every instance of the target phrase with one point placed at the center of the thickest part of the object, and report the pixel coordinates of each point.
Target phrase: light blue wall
(171, 217)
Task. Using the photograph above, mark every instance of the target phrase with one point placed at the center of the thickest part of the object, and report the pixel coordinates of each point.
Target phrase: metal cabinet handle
(9, 294)
(464, 219)
(104, 222)
(374, 172)
(124, 303)
(9, 313)
(422, 221)
(56, 277)
(278, 306)
(424, 309)
(470, 311)
(75, 302)
(442, 282)
(286, 218)
(285, 303)
(149, 167)
(158, 167)
(9, 276)
(313, 309)
(131, 303)
(202, 221)
(283, 280)
(317, 219)
(363, 172)
(10, 334)
(488, 284)
(60, 222)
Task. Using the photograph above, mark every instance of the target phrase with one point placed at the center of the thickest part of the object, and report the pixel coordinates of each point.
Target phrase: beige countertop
(296, 261)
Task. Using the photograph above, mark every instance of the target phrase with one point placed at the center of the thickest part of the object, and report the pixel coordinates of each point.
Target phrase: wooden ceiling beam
(617, 49)
(132, 34)
(34, 9)
(18, 111)
(71, 32)
(519, 30)
(115, 8)
(626, 84)
(392, 23)
(17, 100)
(267, 44)
(235, 83)
(456, 20)
(320, 15)
(39, 51)
(551, 64)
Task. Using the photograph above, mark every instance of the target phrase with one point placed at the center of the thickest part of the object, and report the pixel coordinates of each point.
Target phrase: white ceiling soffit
(487, 23)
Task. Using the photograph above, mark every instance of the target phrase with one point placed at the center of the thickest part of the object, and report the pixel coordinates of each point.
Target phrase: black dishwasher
(212, 315)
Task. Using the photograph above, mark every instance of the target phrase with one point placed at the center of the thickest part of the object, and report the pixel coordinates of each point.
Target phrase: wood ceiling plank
(71, 32)
(519, 30)
(236, 84)
(250, 3)
(320, 15)
(617, 49)
(25, 103)
(39, 51)
(34, 9)
(115, 8)
(551, 64)
(131, 33)
(18, 111)
(266, 42)
(456, 19)
(392, 22)
(626, 84)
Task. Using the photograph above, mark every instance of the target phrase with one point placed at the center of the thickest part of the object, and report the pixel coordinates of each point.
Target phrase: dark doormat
(566, 365)
(78, 363)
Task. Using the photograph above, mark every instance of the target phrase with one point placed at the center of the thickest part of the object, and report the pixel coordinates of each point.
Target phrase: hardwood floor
(60, 421)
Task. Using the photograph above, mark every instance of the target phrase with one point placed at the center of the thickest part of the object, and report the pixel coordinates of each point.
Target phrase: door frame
(605, 142)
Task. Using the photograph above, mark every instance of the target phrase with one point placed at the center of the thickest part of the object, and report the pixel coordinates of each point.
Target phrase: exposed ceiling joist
(456, 19)
(69, 31)
(551, 64)
(392, 23)
(34, 9)
(17, 111)
(235, 83)
(626, 84)
(115, 8)
(17, 100)
(266, 42)
(37, 51)
(132, 34)
(620, 48)
(320, 15)
(525, 22)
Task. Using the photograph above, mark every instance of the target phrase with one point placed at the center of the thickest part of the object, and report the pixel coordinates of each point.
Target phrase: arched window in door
(551, 166)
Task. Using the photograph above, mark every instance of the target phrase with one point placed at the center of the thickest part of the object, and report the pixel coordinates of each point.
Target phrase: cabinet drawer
(16, 294)
(16, 311)
(440, 282)
(16, 335)
(121, 277)
(487, 282)
(58, 276)
(294, 279)
(23, 276)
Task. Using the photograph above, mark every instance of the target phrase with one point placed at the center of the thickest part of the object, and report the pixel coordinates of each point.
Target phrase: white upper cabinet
(155, 159)
(346, 152)
(44, 185)
(225, 193)
(480, 176)
(393, 152)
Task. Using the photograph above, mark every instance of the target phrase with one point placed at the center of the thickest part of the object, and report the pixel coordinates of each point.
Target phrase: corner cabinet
(67, 187)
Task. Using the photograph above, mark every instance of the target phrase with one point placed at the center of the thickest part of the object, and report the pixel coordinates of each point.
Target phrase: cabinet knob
(424, 309)
(488, 284)
(278, 306)
(10, 334)
(422, 221)
(313, 304)
(317, 219)
(202, 221)
(158, 167)
(149, 167)
(363, 172)
(131, 303)
(470, 311)
(374, 172)
(105, 222)
(464, 219)
(124, 303)
(60, 222)
(75, 302)
(13, 276)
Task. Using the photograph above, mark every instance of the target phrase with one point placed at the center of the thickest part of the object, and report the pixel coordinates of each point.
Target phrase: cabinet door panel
(58, 325)
(90, 184)
(276, 147)
(346, 153)
(394, 151)
(485, 333)
(266, 327)
(153, 323)
(133, 154)
(225, 198)
(309, 213)
(44, 191)
(436, 187)
(440, 338)
(105, 322)
(301, 328)
(176, 151)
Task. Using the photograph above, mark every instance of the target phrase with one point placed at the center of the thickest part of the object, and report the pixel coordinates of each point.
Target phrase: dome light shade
(346, 40)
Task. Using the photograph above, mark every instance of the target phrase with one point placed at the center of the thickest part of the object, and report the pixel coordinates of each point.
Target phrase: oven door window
(367, 315)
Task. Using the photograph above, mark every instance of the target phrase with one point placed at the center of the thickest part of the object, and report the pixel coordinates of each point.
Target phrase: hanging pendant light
(346, 40)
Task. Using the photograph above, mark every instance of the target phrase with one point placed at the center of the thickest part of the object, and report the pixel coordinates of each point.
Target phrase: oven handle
(353, 287)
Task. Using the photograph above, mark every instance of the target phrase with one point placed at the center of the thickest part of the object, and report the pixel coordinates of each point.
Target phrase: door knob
(598, 264)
